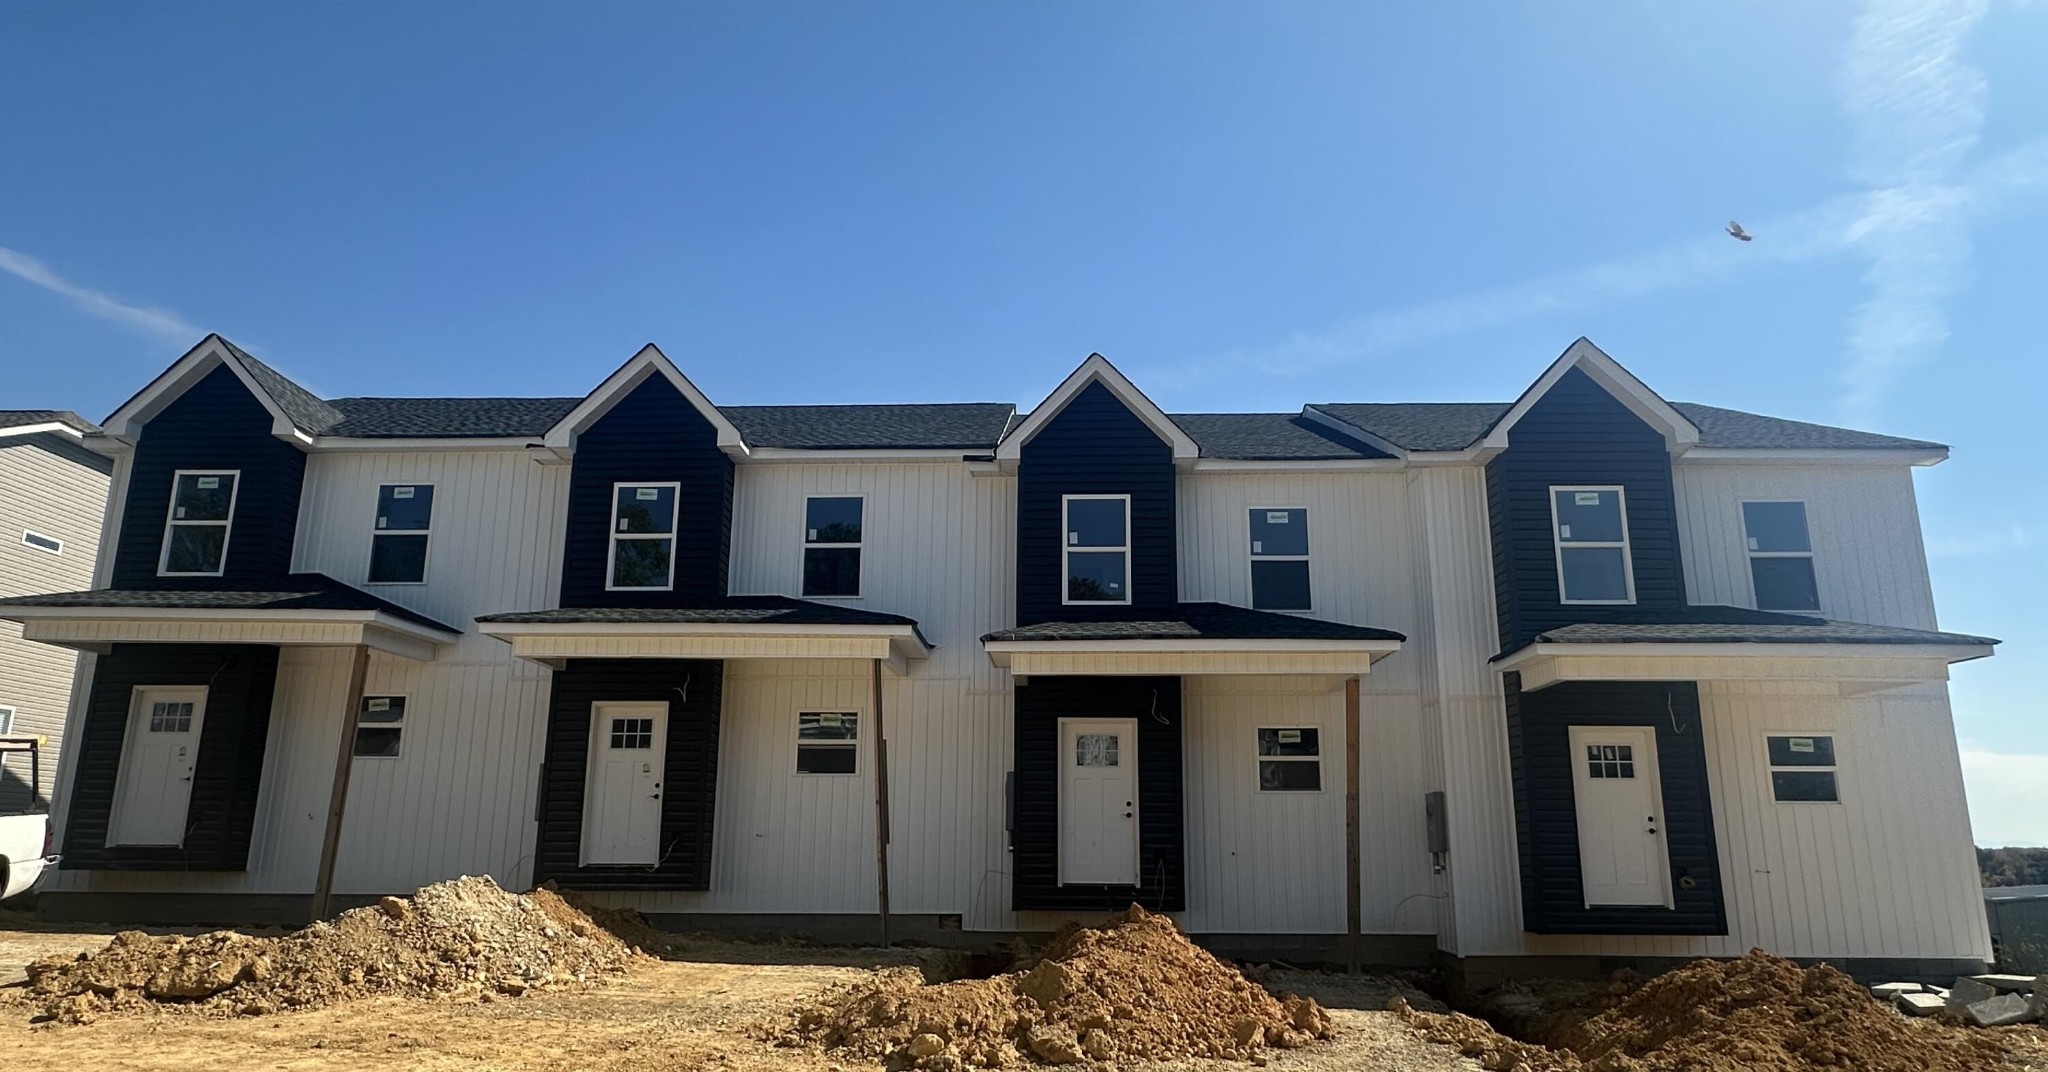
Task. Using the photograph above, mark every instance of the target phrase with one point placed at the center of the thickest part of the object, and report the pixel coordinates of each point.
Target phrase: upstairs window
(32, 538)
(1280, 559)
(1590, 527)
(1098, 548)
(196, 534)
(832, 533)
(1802, 769)
(398, 546)
(379, 726)
(1780, 556)
(828, 742)
(643, 537)
(1290, 759)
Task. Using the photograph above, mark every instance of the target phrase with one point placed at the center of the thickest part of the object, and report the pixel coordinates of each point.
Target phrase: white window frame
(805, 545)
(1252, 556)
(798, 744)
(404, 722)
(1259, 784)
(30, 536)
(427, 565)
(1067, 549)
(1628, 556)
(1806, 516)
(163, 558)
(7, 715)
(674, 537)
(1770, 786)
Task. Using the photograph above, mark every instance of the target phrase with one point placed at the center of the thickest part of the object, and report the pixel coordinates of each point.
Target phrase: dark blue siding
(1546, 813)
(215, 424)
(653, 435)
(1578, 434)
(1094, 446)
(1035, 824)
(239, 680)
(693, 691)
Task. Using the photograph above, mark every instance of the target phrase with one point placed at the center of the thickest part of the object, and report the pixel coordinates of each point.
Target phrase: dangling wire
(685, 690)
(1156, 716)
(1671, 708)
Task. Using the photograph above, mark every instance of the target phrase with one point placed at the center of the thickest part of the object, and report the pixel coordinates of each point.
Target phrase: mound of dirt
(1132, 990)
(1757, 1014)
(465, 936)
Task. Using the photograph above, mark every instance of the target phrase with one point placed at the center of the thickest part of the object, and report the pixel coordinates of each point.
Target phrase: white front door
(1099, 801)
(1622, 858)
(622, 787)
(157, 760)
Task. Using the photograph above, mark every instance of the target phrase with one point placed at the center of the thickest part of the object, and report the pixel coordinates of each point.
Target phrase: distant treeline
(2013, 866)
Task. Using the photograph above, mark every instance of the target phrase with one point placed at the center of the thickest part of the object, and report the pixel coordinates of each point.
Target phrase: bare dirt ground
(696, 1009)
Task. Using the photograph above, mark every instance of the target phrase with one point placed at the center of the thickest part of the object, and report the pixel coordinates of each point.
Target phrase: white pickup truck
(25, 855)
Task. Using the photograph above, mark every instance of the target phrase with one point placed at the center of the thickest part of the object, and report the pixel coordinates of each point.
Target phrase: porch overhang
(741, 627)
(1190, 639)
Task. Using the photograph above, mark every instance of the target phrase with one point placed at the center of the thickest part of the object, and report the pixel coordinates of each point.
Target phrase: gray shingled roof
(1195, 621)
(1734, 428)
(305, 408)
(1426, 426)
(731, 610)
(408, 418)
(1714, 624)
(16, 418)
(1270, 437)
(298, 591)
(965, 425)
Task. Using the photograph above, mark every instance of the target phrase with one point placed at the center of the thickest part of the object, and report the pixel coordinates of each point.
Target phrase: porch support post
(337, 801)
(1354, 900)
(881, 805)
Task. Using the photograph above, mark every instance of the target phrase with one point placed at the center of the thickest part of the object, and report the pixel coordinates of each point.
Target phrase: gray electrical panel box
(1439, 828)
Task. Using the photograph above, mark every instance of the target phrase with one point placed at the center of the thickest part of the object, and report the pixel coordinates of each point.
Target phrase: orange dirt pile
(1132, 990)
(461, 937)
(1757, 1014)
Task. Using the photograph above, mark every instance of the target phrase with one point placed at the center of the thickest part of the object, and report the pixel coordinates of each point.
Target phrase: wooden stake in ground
(337, 801)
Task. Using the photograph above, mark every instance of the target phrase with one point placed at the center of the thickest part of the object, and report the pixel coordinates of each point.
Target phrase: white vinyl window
(1802, 768)
(1780, 556)
(643, 554)
(6, 720)
(1290, 759)
(1096, 548)
(398, 545)
(1589, 526)
(196, 532)
(1279, 538)
(828, 742)
(32, 538)
(832, 544)
(379, 725)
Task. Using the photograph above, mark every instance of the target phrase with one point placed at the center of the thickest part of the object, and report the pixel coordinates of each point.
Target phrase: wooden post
(881, 807)
(1354, 900)
(337, 801)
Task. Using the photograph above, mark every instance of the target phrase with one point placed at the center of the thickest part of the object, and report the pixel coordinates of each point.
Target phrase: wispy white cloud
(161, 323)
(1983, 541)
(2008, 797)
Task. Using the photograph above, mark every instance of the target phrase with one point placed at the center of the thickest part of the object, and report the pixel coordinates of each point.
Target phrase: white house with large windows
(1588, 674)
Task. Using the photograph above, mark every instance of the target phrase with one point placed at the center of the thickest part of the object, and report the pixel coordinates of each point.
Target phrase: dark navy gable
(1094, 446)
(653, 435)
(1578, 434)
(215, 424)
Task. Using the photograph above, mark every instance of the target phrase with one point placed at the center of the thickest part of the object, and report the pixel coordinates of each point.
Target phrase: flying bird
(1736, 232)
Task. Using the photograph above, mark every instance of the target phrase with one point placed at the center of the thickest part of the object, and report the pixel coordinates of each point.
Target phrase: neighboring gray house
(53, 496)
(2019, 927)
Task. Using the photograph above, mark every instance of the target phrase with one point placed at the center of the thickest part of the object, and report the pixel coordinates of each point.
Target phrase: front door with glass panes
(158, 759)
(1622, 857)
(1099, 801)
(622, 790)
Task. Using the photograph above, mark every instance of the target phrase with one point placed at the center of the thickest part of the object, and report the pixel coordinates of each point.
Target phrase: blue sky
(1244, 206)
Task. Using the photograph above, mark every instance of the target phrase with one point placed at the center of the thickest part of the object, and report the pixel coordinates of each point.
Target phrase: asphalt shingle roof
(1425, 426)
(408, 418)
(1270, 437)
(305, 408)
(1196, 621)
(731, 610)
(297, 591)
(16, 418)
(1740, 625)
(966, 425)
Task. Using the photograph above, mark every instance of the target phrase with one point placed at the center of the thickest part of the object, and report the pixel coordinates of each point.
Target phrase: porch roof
(1191, 638)
(297, 609)
(734, 627)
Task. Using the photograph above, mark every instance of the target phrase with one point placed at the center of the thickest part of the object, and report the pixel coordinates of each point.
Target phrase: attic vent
(42, 543)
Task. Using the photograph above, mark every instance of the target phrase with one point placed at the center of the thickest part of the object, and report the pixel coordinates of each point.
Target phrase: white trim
(649, 362)
(1140, 647)
(1835, 768)
(1259, 758)
(59, 427)
(404, 719)
(864, 454)
(414, 444)
(1298, 465)
(860, 717)
(611, 554)
(425, 563)
(1750, 554)
(1253, 556)
(211, 352)
(1097, 369)
(543, 641)
(1885, 456)
(171, 519)
(1679, 433)
(30, 536)
(204, 618)
(1749, 650)
(1068, 547)
(804, 547)
(1557, 543)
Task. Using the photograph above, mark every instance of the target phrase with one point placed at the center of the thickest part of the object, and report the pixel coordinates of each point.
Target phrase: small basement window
(832, 545)
(1803, 769)
(196, 533)
(828, 742)
(398, 545)
(1098, 548)
(31, 538)
(1290, 759)
(379, 725)
(643, 537)
(1590, 527)
(1280, 559)
(1780, 556)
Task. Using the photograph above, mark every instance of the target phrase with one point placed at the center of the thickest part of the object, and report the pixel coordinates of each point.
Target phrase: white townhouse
(1586, 675)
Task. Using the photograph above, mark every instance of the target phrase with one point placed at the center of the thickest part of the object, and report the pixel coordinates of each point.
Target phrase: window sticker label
(1290, 736)
(1276, 517)
(1565, 531)
(1752, 543)
(1800, 744)
(1585, 498)
(209, 482)
(812, 535)
(383, 523)
(377, 704)
(647, 494)
(401, 493)
(1256, 546)
(1073, 538)
(181, 512)
(828, 719)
